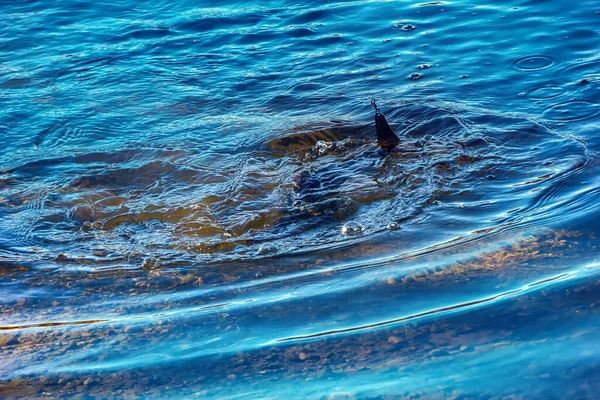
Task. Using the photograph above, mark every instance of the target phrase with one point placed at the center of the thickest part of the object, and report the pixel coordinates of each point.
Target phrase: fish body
(326, 189)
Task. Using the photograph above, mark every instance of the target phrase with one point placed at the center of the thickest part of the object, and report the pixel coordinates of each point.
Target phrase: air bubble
(267, 248)
(392, 226)
(404, 27)
(150, 263)
(352, 228)
(299, 204)
(415, 75)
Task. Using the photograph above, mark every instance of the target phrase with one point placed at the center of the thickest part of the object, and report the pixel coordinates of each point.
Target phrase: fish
(386, 137)
(324, 190)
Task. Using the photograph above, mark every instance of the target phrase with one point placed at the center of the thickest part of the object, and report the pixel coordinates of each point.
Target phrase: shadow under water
(291, 193)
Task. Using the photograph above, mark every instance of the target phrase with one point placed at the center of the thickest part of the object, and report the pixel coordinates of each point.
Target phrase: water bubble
(322, 147)
(423, 66)
(299, 204)
(415, 75)
(583, 81)
(352, 228)
(392, 226)
(258, 275)
(267, 248)
(97, 225)
(408, 28)
(61, 257)
(464, 76)
(150, 263)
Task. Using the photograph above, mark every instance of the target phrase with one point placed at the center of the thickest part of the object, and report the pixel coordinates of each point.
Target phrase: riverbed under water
(193, 203)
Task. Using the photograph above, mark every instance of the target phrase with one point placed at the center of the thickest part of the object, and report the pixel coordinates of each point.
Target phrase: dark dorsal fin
(386, 138)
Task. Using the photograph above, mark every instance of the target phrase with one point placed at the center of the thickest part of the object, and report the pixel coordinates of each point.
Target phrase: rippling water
(176, 178)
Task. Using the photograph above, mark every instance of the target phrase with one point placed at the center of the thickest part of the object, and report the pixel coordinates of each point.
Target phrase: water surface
(176, 179)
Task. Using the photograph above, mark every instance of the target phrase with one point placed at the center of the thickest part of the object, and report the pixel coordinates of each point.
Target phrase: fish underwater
(290, 191)
(322, 190)
(438, 153)
(344, 168)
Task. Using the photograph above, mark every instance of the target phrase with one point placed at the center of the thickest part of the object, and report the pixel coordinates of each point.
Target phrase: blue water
(176, 177)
